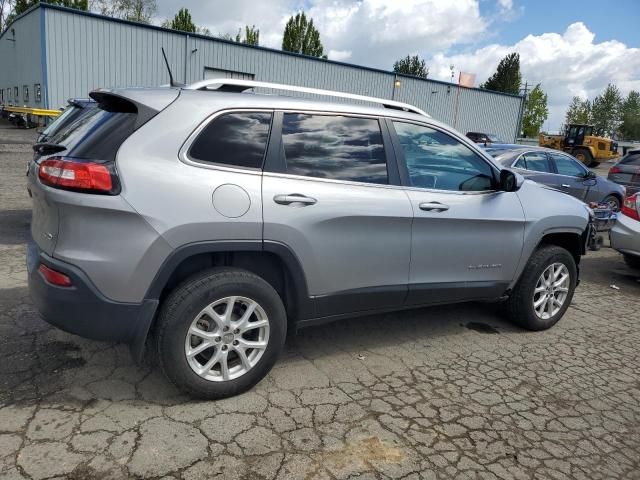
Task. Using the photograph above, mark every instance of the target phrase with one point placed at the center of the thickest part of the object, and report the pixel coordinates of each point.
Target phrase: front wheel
(220, 333)
(612, 202)
(545, 289)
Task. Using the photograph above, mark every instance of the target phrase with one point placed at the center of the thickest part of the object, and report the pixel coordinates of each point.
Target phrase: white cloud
(377, 32)
(566, 64)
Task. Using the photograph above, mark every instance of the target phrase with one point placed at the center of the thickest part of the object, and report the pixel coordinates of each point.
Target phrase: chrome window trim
(331, 180)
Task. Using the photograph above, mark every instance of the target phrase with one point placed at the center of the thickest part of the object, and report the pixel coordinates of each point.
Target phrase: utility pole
(524, 92)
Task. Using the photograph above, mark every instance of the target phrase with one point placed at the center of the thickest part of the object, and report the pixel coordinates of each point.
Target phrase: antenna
(171, 82)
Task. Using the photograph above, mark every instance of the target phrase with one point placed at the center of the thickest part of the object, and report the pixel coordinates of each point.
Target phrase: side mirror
(589, 175)
(508, 181)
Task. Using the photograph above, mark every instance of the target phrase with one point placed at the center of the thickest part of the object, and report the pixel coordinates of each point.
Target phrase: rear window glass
(238, 139)
(70, 114)
(98, 134)
(631, 159)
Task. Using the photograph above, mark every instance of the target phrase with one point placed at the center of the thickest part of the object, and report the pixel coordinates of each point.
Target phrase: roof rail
(239, 85)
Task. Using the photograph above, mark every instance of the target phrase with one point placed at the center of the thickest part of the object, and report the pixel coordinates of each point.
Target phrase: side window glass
(437, 160)
(567, 166)
(335, 147)
(520, 164)
(236, 139)
(536, 162)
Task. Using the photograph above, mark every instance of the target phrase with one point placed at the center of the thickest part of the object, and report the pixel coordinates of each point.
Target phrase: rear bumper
(82, 309)
(625, 235)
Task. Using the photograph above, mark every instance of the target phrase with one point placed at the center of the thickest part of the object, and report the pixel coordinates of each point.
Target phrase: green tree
(182, 21)
(606, 111)
(412, 66)
(579, 111)
(22, 6)
(133, 10)
(301, 36)
(507, 77)
(251, 35)
(535, 112)
(630, 128)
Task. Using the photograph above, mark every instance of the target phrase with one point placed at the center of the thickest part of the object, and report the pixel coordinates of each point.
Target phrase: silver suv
(209, 222)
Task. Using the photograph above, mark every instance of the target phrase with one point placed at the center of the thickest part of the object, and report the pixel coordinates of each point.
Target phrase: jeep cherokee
(207, 221)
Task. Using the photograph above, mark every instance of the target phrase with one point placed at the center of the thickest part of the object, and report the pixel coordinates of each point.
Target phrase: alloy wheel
(227, 338)
(551, 291)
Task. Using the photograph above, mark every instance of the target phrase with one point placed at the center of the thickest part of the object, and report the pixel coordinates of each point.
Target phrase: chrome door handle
(431, 206)
(294, 198)
(565, 185)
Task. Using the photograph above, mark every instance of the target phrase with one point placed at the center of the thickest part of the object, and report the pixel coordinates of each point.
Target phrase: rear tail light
(70, 174)
(614, 170)
(54, 277)
(629, 207)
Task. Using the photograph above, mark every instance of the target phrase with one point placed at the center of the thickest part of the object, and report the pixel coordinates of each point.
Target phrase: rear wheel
(632, 261)
(545, 289)
(220, 333)
(584, 155)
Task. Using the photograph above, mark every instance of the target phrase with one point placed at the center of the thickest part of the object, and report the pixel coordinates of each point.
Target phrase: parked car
(75, 108)
(627, 172)
(625, 234)
(480, 137)
(218, 220)
(561, 171)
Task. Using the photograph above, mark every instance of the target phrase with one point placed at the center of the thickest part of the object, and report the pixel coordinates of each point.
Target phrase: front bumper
(625, 235)
(81, 309)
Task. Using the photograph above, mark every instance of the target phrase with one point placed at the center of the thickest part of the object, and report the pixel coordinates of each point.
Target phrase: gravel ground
(447, 392)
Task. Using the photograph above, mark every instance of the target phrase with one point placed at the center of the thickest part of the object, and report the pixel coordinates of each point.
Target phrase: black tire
(584, 155)
(519, 306)
(182, 306)
(612, 201)
(632, 261)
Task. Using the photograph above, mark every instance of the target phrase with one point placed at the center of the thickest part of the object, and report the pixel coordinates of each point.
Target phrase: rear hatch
(627, 171)
(79, 159)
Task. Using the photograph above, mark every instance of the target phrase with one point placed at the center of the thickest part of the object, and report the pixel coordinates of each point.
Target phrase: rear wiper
(44, 148)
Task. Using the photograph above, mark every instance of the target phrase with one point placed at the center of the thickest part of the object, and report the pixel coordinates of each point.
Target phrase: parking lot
(446, 392)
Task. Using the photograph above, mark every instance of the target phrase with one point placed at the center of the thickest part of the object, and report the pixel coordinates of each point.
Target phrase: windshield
(494, 138)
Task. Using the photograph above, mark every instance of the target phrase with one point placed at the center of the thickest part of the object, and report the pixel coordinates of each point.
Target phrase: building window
(37, 92)
(210, 72)
(9, 95)
(25, 91)
(2, 96)
(16, 94)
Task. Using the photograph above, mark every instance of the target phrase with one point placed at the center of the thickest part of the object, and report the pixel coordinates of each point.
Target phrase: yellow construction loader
(579, 141)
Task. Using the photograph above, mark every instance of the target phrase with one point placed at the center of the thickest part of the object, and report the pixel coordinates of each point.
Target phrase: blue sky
(608, 19)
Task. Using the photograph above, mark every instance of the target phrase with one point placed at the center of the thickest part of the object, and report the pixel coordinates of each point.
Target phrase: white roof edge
(220, 82)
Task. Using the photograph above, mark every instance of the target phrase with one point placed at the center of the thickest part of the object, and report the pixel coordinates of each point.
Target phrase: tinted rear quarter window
(335, 147)
(235, 139)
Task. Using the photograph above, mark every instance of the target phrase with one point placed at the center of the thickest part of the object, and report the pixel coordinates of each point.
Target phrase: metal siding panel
(125, 54)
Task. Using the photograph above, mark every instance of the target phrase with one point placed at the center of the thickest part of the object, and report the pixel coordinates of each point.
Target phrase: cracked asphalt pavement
(447, 392)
